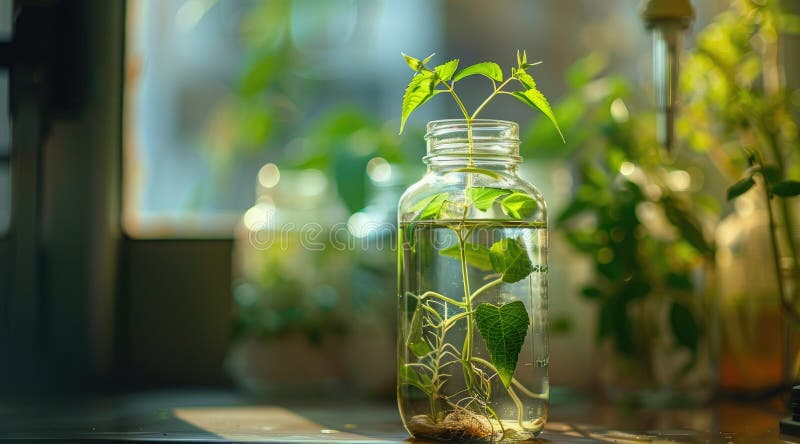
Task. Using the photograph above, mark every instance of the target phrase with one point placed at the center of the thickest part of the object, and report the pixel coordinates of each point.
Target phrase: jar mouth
(491, 139)
(481, 128)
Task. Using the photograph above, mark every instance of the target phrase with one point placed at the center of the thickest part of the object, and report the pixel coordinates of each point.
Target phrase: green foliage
(445, 71)
(408, 375)
(634, 267)
(684, 326)
(483, 197)
(429, 207)
(424, 83)
(535, 99)
(787, 188)
(510, 259)
(503, 329)
(476, 255)
(519, 205)
(418, 91)
(415, 342)
(490, 70)
(740, 188)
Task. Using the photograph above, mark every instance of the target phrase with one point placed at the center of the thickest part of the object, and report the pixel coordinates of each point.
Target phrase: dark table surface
(221, 416)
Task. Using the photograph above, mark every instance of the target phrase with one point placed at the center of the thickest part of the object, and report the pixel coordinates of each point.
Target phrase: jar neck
(487, 144)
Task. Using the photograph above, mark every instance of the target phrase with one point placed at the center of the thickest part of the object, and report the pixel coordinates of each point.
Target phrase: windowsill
(224, 416)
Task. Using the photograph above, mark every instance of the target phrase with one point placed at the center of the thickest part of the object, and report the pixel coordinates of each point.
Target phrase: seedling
(503, 327)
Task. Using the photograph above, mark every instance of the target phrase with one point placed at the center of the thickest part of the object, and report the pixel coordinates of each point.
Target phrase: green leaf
(684, 326)
(787, 188)
(483, 197)
(509, 258)
(535, 99)
(474, 170)
(613, 322)
(503, 329)
(525, 78)
(415, 341)
(446, 70)
(740, 187)
(519, 205)
(687, 224)
(771, 173)
(477, 255)
(430, 207)
(489, 69)
(418, 91)
(427, 208)
(410, 376)
(592, 293)
(416, 64)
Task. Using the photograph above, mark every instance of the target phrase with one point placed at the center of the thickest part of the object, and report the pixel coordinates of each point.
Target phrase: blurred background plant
(637, 221)
(741, 113)
(312, 298)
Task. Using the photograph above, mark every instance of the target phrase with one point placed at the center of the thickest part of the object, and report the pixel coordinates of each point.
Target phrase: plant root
(461, 425)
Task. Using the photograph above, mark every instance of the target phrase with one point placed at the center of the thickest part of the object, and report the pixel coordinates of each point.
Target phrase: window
(217, 89)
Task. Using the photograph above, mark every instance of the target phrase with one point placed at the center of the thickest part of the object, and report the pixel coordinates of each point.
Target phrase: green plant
(426, 82)
(739, 103)
(643, 236)
(502, 327)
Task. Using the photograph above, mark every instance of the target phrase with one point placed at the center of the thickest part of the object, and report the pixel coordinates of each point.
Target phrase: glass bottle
(472, 290)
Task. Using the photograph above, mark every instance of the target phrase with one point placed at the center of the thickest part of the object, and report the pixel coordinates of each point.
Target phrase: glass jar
(291, 295)
(759, 352)
(472, 290)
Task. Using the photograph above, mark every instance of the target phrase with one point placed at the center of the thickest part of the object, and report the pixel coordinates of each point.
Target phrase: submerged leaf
(476, 170)
(427, 208)
(430, 207)
(519, 205)
(483, 197)
(409, 376)
(415, 341)
(510, 259)
(489, 69)
(476, 255)
(535, 99)
(503, 329)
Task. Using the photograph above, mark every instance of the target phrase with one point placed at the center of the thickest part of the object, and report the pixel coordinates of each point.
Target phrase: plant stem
(790, 309)
(457, 99)
(486, 287)
(491, 96)
(466, 350)
(786, 215)
(443, 298)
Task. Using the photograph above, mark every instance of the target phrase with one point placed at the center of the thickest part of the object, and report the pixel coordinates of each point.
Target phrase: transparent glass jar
(472, 290)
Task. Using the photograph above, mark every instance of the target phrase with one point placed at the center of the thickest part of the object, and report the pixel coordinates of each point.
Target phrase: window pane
(217, 89)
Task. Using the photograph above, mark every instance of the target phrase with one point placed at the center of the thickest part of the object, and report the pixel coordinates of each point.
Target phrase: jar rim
(487, 140)
(436, 126)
